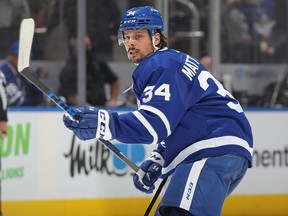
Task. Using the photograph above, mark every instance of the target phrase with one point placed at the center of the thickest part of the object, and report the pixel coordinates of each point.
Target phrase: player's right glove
(94, 123)
(152, 167)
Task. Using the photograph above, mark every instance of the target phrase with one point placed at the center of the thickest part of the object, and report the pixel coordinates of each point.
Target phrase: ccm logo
(102, 123)
(189, 191)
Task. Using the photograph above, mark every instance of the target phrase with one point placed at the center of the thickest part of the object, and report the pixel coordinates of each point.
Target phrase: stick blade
(25, 43)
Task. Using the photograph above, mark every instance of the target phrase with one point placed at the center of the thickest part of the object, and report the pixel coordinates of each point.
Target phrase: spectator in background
(19, 91)
(98, 74)
(102, 26)
(21, 10)
(39, 14)
(207, 62)
(50, 16)
(274, 47)
(102, 23)
(11, 14)
(237, 43)
(260, 18)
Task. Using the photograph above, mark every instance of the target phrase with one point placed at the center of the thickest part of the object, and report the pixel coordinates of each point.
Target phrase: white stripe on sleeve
(160, 114)
(147, 125)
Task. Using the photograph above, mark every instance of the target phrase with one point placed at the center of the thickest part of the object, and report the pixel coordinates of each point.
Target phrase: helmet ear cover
(145, 17)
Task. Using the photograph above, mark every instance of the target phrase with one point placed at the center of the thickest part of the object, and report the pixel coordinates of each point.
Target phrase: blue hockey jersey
(15, 88)
(185, 110)
(19, 92)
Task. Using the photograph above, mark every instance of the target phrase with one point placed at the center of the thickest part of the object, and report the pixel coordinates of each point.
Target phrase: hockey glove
(94, 123)
(152, 167)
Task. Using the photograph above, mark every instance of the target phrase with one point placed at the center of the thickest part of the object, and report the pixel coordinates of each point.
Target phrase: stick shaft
(60, 103)
(155, 197)
(25, 43)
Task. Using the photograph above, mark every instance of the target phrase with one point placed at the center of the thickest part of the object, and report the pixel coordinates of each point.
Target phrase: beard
(134, 55)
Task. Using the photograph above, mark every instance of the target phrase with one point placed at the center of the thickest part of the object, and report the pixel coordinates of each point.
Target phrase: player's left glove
(152, 167)
(94, 122)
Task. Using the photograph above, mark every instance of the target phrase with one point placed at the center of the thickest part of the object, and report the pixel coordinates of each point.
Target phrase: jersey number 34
(163, 90)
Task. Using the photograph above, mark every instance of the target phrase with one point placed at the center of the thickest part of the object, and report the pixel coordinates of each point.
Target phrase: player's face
(138, 44)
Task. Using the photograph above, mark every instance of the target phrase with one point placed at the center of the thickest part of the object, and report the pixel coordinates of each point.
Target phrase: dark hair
(163, 40)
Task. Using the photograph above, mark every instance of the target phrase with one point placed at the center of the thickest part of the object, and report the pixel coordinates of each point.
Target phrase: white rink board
(44, 172)
(39, 169)
(270, 172)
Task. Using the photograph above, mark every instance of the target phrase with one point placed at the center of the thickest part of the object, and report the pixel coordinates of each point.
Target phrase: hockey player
(204, 141)
(14, 85)
(19, 91)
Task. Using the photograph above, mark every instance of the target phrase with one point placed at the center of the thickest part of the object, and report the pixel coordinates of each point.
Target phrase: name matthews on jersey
(190, 67)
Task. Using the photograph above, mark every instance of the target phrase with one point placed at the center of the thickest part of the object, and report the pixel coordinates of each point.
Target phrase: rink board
(47, 172)
(264, 205)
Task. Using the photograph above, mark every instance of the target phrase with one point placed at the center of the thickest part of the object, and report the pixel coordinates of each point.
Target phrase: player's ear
(157, 39)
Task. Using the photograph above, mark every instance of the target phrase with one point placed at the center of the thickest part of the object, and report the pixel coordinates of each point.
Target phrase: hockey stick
(25, 44)
(155, 197)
